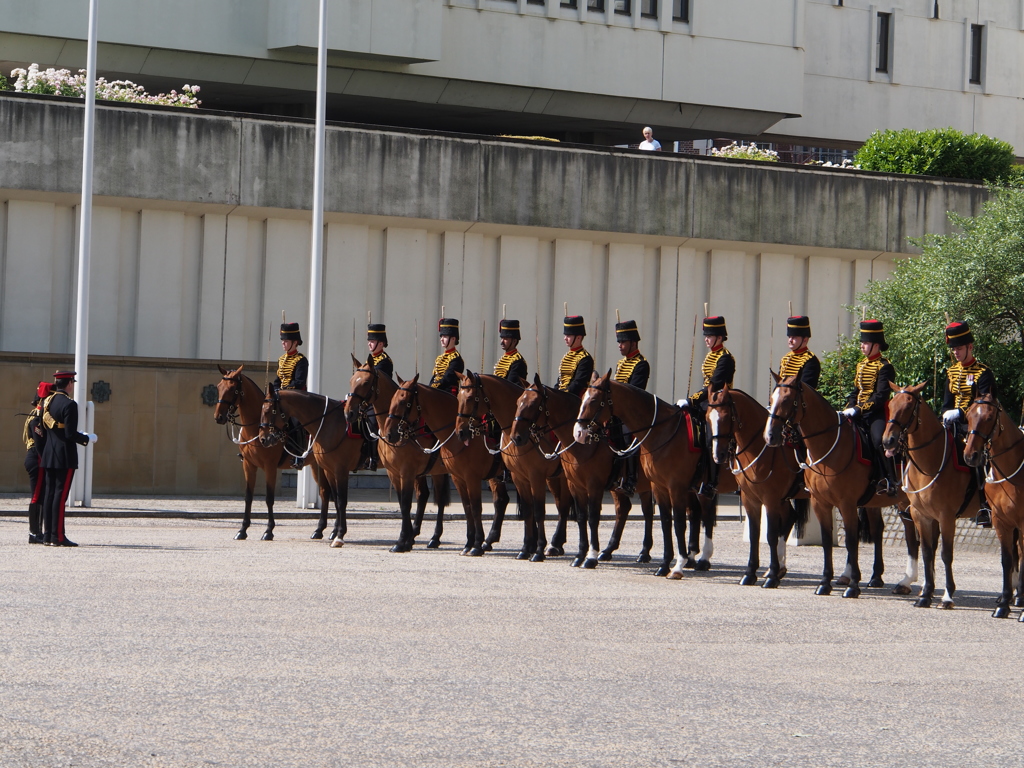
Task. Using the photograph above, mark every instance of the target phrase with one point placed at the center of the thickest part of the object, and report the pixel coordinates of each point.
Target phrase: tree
(975, 275)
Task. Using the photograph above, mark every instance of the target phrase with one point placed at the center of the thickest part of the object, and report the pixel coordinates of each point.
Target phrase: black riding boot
(630, 471)
(709, 488)
(984, 518)
(35, 531)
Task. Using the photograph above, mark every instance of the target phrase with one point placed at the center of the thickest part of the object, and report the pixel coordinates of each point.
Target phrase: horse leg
(622, 507)
(422, 495)
(475, 519)
(323, 486)
(499, 493)
(668, 548)
(594, 520)
(582, 511)
(527, 509)
(823, 512)
(558, 538)
(1018, 571)
(913, 550)
(442, 497)
(876, 525)
(1007, 558)
(405, 537)
(250, 484)
(929, 533)
(679, 515)
(693, 515)
(749, 577)
(647, 507)
(948, 529)
(707, 519)
(340, 507)
(268, 534)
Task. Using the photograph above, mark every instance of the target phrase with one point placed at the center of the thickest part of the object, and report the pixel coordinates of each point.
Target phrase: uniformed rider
(577, 365)
(718, 369)
(376, 341)
(511, 365)
(800, 362)
(966, 380)
(449, 362)
(292, 373)
(632, 369)
(34, 436)
(868, 403)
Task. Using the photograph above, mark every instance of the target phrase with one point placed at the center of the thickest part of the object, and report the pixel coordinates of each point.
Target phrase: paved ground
(163, 642)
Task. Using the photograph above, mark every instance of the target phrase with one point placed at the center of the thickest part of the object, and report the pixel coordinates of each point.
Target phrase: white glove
(682, 403)
(951, 416)
(850, 412)
(92, 437)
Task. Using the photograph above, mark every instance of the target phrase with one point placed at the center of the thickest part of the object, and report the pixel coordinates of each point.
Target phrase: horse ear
(239, 369)
(355, 361)
(536, 380)
(609, 374)
(775, 376)
(726, 387)
(415, 379)
(918, 387)
(223, 372)
(894, 386)
(401, 381)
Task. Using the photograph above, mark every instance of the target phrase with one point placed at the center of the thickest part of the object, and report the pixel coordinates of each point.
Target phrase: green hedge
(937, 152)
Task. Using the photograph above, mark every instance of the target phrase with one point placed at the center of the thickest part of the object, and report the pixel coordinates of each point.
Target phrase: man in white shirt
(650, 143)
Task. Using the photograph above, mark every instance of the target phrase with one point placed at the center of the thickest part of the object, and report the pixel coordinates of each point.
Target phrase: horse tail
(801, 511)
(864, 525)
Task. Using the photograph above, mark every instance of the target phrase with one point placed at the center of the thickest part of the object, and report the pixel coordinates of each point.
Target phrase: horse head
(468, 419)
(229, 394)
(787, 407)
(272, 418)
(596, 403)
(722, 420)
(904, 416)
(363, 388)
(529, 407)
(982, 424)
(404, 411)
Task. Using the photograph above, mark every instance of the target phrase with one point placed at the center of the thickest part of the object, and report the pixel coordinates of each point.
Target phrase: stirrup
(888, 487)
(707, 490)
(984, 518)
(297, 462)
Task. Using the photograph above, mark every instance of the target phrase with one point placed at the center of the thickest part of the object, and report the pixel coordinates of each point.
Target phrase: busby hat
(627, 331)
(872, 332)
(45, 389)
(958, 334)
(377, 332)
(798, 326)
(290, 332)
(448, 326)
(573, 325)
(509, 329)
(715, 326)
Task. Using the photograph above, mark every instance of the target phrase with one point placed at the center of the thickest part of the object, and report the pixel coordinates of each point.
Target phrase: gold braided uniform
(802, 363)
(292, 371)
(575, 361)
(865, 382)
(708, 367)
(512, 367)
(966, 382)
(442, 365)
(633, 370)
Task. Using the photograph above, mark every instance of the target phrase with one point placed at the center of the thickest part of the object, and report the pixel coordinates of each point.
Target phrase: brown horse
(418, 411)
(992, 437)
(668, 455)
(407, 466)
(835, 477)
(545, 417)
(335, 451)
(487, 407)
(239, 397)
(939, 490)
(766, 476)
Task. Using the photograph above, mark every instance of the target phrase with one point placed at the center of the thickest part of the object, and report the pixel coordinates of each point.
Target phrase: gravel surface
(163, 642)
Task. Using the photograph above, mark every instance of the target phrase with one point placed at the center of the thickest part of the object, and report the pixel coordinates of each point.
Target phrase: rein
(990, 457)
(232, 413)
(407, 430)
(275, 401)
(635, 445)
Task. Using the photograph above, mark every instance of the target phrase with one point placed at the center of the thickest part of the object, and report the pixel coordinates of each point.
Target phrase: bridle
(231, 417)
(475, 425)
(540, 432)
(800, 406)
(409, 431)
(277, 434)
(733, 454)
(987, 445)
(365, 402)
(593, 428)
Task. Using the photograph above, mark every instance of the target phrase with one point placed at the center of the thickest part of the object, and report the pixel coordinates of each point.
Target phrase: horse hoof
(605, 556)
(674, 575)
(537, 558)
(1001, 612)
(782, 571)
(946, 605)
(523, 556)
(241, 536)
(823, 589)
(703, 565)
(1018, 602)
(852, 591)
(1021, 617)
(843, 581)
(268, 536)
(770, 583)
(643, 557)
(337, 543)
(923, 602)
(748, 580)
(576, 562)
(317, 535)
(475, 552)
(555, 552)
(332, 537)
(662, 571)
(486, 546)
(690, 564)
(400, 548)
(876, 583)
(590, 563)
(433, 544)
(901, 589)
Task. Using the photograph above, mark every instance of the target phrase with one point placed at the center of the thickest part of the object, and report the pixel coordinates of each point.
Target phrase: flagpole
(316, 271)
(83, 480)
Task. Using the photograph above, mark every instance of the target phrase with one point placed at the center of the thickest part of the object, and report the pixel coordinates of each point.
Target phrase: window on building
(535, 2)
(568, 3)
(624, 6)
(882, 44)
(649, 8)
(595, 5)
(681, 10)
(976, 39)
